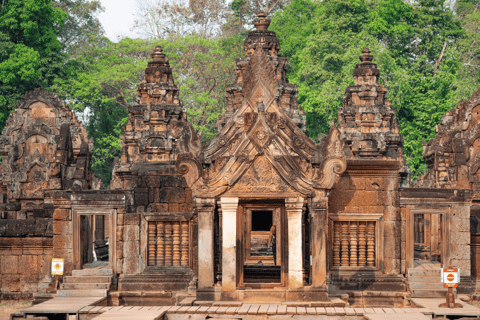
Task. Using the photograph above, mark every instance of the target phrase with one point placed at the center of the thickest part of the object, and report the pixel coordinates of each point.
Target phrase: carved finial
(262, 22)
(158, 54)
(366, 56)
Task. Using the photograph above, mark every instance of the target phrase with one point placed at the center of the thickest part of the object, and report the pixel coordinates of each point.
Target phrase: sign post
(57, 270)
(450, 279)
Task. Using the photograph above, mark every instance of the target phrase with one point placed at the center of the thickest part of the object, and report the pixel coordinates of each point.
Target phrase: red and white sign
(450, 277)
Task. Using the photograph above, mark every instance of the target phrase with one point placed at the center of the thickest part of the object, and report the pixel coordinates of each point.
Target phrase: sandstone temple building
(261, 213)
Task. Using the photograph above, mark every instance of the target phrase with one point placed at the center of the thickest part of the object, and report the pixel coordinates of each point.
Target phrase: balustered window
(168, 243)
(353, 244)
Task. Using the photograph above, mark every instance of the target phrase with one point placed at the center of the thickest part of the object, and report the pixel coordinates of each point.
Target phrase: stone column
(318, 226)
(205, 208)
(295, 267)
(229, 240)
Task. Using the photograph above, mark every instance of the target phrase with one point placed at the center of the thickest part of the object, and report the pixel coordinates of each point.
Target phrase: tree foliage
(422, 49)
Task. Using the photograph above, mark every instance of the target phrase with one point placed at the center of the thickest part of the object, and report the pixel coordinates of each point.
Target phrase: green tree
(30, 54)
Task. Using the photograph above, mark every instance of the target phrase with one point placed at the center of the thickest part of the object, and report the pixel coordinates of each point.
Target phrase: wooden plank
(232, 310)
(399, 310)
(263, 309)
(212, 309)
(202, 309)
(368, 310)
(350, 312)
(340, 311)
(388, 310)
(193, 309)
(221, 310)
(359, 311)
(330, 311)
(311, 311)
(272, 309)
(183, 310)
(253, 309)
(301, 310)
(378, 310)
(321, 310)
(291, 310)
(244, 309)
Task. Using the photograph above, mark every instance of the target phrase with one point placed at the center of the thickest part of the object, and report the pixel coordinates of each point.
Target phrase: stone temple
(260, 214)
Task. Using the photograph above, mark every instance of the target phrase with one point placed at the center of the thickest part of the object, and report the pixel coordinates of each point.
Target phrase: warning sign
(57, 267)
(450, 277)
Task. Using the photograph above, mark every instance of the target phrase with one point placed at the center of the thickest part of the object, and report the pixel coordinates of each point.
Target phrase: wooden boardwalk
(67, 305)
(152, 313)
(432, 304)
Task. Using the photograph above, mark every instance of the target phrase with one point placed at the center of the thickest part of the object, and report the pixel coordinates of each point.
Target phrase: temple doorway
(427, 233)
(94, 242)
(94, 238)
(261, 233)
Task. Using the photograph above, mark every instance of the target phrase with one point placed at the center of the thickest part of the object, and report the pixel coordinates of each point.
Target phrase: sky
(117, 19)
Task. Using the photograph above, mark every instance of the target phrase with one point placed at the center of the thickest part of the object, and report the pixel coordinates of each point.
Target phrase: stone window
(354, 242)
(168, 243)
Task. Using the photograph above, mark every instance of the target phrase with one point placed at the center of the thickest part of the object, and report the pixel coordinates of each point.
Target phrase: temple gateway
(261, 213)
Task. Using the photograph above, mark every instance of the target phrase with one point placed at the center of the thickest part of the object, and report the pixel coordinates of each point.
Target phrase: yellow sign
(57, 267)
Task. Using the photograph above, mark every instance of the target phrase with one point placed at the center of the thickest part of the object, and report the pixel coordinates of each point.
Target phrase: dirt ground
(6, 308)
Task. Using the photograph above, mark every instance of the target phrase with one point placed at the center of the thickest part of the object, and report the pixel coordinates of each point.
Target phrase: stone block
(376, 184)
(172, 194)
(159, 207)
(9, 265)
(120, 265)
(186, 207)
(131, 219)
(391, 248)
(130, 265)
(174, 207)
(141, 199)
(41, 226)
(392, 229)
(10, 283)
(62, 242)
(28, 264)
(131, 233)
(188, 195)
(120, 220)
(131, 249)
(120, 233)
(61, 227)
(392, 266)
(392, 213)
(370, 209)
(119, 250)
(62, 214)
(460, 238)
(362, 198)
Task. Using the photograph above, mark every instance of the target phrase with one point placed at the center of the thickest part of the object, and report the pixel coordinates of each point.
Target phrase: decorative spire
(262, 22)
(367, 122)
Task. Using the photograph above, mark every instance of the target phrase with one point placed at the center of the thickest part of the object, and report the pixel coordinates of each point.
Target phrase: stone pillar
(229, 240)
(295, 267)
(318, 237)
(205, 208)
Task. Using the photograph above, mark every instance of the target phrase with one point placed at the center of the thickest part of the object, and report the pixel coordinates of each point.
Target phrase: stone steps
(86, 286)
(426, 283)
(92, 272)
(81, 293)
(89, 279)
(92, 282)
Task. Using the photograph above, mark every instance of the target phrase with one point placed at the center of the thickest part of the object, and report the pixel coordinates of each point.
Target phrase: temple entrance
(94, 235)
(427, 233)
(94, 240)
(261, 233)
(427, 238)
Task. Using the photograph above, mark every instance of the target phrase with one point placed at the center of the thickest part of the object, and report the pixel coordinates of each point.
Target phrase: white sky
(117, 18)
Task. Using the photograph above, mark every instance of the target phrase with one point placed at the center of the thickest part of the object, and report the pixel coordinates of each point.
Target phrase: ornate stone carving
(260, 147)
(453, 156)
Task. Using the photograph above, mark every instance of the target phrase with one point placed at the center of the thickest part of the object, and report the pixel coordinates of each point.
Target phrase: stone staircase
(426, 283)
(87, 283)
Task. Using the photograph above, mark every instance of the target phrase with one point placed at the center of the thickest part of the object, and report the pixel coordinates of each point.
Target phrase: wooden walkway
(67, 305)
(432, 304)
(152, 313)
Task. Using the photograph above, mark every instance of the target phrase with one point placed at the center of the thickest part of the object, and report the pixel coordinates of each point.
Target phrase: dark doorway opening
(94, 240)
(262, 220)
